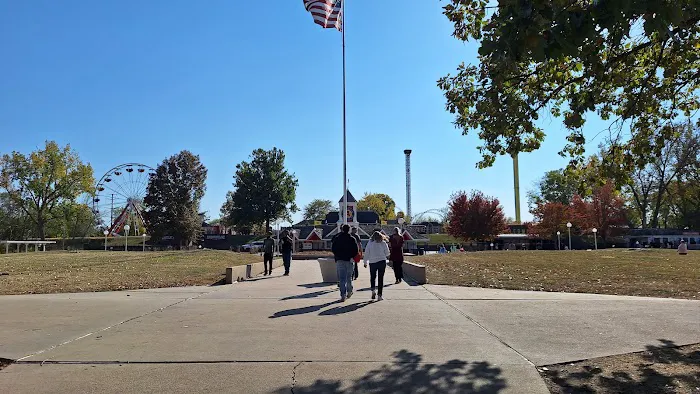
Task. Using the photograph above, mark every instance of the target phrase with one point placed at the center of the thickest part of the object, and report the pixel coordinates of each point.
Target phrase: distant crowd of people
(347, 251)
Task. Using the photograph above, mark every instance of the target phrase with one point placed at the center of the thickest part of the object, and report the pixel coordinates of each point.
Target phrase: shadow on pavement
(308, 295)
(344, 309)
(262, 278)
(302, 311)
(659, 369)
(314, 285)
(408, 374)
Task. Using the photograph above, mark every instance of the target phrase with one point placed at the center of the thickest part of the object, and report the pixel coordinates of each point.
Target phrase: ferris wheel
(118, 199)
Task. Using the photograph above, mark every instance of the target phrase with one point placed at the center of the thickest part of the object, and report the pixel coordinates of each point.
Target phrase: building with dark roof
(318, 236)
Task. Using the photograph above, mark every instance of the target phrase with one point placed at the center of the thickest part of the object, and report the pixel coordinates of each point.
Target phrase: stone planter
(328, 270)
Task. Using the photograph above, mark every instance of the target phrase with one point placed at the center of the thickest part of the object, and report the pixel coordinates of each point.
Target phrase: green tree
(264, 191)
(554, 186)
(14, 222)
(173, 196)
(317, 209)
(648, 187)
(634, 63)
(72, 220)
(380, 203)
(39, 182)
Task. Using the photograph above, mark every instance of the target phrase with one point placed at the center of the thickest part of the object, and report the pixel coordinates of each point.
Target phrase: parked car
(253, 247)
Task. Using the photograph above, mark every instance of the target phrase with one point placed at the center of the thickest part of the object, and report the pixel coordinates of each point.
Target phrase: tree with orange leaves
(604, 210)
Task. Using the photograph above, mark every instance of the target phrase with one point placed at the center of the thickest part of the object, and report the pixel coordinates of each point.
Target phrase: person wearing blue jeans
(344, 249)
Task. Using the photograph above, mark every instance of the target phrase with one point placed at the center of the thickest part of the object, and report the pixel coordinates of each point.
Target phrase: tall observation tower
(407, 152)
(516, 186)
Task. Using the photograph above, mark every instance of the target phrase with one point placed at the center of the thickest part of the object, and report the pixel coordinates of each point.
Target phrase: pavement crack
(294, 376)
(471, 319)
(112, 326)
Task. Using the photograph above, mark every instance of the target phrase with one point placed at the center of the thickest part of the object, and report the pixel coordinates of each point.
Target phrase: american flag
(327, 13)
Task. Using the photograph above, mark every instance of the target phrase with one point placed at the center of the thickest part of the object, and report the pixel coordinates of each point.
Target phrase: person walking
(376, 254)
(269, 250)
(356, 259)
(344, 250)
(396, 255)
(287, 243)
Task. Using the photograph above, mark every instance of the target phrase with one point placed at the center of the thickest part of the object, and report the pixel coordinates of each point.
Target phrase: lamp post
(568, 226)
(144, 242)
(294, 241)
(595, 238)
(106, 233)
(558, 240)
(126, 238)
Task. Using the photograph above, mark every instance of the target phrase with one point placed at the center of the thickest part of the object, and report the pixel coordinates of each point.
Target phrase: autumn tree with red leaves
(604, 210)
(550, 217)
(475, 216)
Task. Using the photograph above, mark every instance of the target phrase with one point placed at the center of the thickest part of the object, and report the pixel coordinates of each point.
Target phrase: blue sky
(133, 81)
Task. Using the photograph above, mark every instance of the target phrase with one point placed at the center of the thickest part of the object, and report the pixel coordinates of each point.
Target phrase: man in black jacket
(344, 249)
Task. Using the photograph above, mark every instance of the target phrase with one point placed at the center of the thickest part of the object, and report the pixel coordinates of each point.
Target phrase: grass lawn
(652, 273)
(65, 272)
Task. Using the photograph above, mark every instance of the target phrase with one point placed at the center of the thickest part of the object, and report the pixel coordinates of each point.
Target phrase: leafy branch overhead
(634, 63)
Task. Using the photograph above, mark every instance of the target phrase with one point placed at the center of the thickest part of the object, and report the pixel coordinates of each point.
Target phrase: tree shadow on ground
(659, 369)
(308, 295)
(408, 374)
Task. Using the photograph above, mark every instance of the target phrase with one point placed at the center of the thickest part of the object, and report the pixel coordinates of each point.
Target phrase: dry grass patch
(659, 369)
(64, 272)
(652, 273)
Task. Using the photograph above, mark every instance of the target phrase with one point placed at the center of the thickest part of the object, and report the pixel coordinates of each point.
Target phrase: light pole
(568, 226)
(558, 240)
(144, 242)
(106, 233)
(294, 241)
(126, 237)
(595, 238)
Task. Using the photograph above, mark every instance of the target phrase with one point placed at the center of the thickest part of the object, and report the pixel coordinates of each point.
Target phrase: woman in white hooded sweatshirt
(376, 254)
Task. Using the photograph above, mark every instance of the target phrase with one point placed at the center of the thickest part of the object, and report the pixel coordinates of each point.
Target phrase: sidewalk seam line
(478, 325)
(109, 327)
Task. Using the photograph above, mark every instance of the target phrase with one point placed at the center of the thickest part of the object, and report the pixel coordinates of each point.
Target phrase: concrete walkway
(289, 334)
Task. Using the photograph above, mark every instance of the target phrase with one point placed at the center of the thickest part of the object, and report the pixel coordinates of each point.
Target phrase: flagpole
(345, 164)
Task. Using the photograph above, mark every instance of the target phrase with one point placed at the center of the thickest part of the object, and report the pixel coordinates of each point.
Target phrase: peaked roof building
(319, 235)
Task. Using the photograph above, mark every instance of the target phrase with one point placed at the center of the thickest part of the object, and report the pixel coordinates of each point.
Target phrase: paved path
(282, 334)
